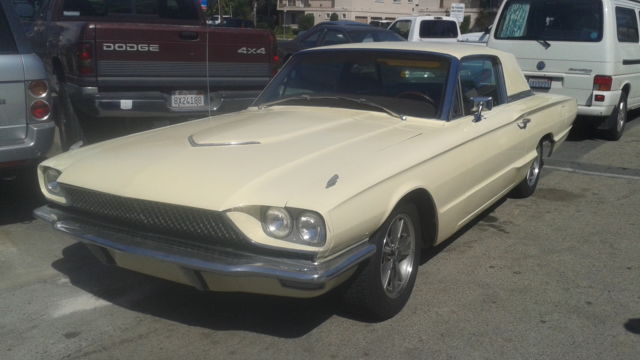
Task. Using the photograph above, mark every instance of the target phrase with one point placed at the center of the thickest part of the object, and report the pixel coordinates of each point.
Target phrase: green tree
(306, 22)
(464, 25)
(334, 17)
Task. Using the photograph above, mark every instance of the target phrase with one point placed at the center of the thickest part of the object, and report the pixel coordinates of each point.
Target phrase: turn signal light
(602, 83)
(40, 110)
(38, 88)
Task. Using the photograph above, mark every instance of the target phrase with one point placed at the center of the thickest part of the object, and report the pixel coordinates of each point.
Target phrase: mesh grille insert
(211, 227)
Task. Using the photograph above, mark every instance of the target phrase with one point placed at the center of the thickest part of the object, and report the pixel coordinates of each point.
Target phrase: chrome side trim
(224, 261)
(194, 143)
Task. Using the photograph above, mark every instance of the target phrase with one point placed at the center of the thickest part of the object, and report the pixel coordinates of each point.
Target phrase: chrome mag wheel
(398, 255)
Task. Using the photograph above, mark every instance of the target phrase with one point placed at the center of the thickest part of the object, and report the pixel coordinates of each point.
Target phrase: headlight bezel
(295, 234)
(50, 178)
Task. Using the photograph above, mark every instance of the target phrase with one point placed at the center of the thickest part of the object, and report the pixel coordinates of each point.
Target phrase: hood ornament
(332, 181)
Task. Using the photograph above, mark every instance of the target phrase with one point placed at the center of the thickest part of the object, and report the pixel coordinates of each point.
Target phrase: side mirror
(25, 10)
(487, 30)
(480, 104)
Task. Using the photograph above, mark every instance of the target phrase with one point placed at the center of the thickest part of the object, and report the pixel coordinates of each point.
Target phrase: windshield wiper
(545, 44)
(336, 97)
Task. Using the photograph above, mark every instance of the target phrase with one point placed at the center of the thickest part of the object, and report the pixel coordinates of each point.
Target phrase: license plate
(540, 83)
(187, 100)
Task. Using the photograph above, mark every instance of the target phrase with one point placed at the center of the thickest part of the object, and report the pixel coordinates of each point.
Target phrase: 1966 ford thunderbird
(352, 161)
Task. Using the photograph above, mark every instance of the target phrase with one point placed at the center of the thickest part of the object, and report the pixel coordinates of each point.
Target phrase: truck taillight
(602, 83)
(275, 59)
(40, 110)
(85, 59)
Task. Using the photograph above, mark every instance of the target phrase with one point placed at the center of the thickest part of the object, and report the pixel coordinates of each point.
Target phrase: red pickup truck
(146, 58)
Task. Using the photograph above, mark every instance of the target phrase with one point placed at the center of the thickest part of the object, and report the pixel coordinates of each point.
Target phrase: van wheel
(382, 287)
(617, 120)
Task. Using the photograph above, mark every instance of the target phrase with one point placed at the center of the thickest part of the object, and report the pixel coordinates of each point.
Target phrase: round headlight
(277, 222)
(310, 228)
(51, 180)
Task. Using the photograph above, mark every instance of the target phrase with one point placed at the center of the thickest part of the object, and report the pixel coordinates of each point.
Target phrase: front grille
(210, 228)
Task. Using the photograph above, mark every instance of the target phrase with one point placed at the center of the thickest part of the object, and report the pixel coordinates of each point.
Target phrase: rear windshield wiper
(545, 44)
(336, 97)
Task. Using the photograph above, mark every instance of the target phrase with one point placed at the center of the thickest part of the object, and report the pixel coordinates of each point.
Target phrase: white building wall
(366, 10)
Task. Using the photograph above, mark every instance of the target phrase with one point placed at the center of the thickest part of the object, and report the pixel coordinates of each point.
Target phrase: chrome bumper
(291, 273)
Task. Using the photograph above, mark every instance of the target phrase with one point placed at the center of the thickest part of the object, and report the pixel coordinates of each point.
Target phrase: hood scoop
(195, 143)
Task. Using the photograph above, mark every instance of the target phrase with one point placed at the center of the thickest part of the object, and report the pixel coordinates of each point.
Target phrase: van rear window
(442, 29)
(164, 9)
(559, 20)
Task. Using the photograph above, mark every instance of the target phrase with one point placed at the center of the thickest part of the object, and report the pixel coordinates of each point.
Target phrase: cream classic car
(353, 160)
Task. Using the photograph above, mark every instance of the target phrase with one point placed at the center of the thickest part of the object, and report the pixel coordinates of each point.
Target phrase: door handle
(523, 124)
(189, 35)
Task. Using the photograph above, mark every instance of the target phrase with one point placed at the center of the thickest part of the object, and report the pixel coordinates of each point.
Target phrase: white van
(427, 28)
(586, 49)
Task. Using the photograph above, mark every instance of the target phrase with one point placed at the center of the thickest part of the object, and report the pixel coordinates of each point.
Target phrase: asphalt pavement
(554, 276)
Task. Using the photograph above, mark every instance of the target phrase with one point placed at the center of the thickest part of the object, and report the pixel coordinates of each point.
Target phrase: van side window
(479, 77)
(627, 25)
(401, 27)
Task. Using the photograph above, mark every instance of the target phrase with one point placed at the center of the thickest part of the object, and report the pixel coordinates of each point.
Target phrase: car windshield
(549, 20)
(404, 83)
(441, 29)
(374, 36)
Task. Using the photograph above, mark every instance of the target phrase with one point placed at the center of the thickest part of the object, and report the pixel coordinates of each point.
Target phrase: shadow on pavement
(19, 195)
(275, 316)
(270, 315)
(633, 326)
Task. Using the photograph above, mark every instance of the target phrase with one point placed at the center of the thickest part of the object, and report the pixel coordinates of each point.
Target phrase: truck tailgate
(150, 55)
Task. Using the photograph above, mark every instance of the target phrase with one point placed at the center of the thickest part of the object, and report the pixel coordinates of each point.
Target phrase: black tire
(68, 122)
(528, 185)
(365, 294)
(616, 121)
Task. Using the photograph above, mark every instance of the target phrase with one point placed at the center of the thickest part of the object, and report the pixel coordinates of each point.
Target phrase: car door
(13, 123)
(494, 144)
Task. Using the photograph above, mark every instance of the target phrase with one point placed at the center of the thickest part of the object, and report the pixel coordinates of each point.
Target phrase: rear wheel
(528, 186)
(382, 287)
(617, 120)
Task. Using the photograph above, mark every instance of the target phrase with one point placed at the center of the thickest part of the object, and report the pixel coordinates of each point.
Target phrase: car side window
(627, 25)
(401, 27)
(311, 39)
(479, 77)
(334, 37)
(457, 110)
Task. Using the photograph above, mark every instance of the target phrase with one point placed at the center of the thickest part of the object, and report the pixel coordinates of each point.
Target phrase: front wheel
(528, 185)
(382, 287)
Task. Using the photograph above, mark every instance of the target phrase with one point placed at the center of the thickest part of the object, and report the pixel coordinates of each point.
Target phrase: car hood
(274, 156)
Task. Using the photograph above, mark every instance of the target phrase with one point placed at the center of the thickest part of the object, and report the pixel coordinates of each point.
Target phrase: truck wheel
(617, 119)
(528, 185)
(382, 287)
(68, 123)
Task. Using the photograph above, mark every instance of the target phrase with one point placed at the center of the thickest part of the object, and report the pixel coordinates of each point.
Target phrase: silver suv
(26, 124)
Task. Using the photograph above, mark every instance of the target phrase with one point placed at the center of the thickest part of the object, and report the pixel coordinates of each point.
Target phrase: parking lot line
(594, 173)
